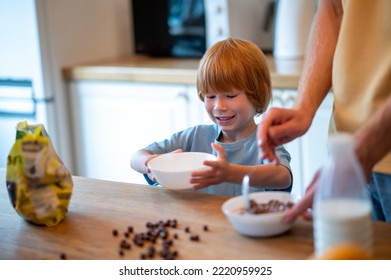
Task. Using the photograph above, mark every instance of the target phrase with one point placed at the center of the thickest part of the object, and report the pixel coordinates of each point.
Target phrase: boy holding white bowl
(234, 83)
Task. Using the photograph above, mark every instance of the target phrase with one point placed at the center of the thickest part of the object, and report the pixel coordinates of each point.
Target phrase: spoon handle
(245, 190)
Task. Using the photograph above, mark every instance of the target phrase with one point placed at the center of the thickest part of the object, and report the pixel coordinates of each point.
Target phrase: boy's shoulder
(204, 128)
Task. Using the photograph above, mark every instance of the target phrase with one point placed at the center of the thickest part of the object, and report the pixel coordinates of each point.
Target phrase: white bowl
(257, 225)
(173, 170)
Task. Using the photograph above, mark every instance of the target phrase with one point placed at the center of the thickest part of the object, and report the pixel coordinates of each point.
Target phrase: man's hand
(280, 126)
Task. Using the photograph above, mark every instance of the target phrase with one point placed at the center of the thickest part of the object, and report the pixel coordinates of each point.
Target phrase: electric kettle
(292, 26)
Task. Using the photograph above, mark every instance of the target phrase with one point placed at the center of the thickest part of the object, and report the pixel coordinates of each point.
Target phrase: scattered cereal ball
(194, 237)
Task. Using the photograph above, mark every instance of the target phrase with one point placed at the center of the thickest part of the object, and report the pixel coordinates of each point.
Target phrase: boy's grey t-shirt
(199, 139)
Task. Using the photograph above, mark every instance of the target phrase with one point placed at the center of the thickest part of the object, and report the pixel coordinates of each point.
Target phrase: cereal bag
(38, 183)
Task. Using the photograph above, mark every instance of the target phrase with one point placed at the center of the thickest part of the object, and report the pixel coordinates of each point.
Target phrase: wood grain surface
(98, 207)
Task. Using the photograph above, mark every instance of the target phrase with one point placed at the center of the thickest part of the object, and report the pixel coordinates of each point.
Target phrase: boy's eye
(210, 96)
(232, 96)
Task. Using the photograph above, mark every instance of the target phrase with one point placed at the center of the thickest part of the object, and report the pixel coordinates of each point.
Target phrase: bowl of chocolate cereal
(265, 216)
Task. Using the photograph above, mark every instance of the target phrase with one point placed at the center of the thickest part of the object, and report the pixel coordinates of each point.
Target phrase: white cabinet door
(285, 99)
(112, 120)
(314, 142)
(309, 151)
(199, 114)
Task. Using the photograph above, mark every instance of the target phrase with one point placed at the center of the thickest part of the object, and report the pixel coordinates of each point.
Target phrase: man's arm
(280, 126)
(373, 141)
(316, 79)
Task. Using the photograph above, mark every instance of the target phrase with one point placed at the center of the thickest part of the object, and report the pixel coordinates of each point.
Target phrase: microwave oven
(186, 28)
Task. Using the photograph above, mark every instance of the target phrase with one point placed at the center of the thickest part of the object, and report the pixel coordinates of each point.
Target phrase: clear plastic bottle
(342, 207)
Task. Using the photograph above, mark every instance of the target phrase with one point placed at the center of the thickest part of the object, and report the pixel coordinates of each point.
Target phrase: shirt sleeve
(285, 159)
(284, 156)
(179, 140)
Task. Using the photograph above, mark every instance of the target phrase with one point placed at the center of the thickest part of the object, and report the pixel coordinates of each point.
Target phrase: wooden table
(99, 207)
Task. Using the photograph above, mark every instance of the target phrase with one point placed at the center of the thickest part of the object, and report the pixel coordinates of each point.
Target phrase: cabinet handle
(279, 100)
(290, 100)
(285, 100)
(183, 95)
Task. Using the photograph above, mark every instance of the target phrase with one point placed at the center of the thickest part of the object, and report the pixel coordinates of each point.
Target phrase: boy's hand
(148, 171)
(216, 174)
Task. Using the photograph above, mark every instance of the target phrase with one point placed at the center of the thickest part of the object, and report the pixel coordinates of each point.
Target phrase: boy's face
(232, 112)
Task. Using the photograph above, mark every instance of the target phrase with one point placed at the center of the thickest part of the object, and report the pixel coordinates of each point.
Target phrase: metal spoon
(246, 190)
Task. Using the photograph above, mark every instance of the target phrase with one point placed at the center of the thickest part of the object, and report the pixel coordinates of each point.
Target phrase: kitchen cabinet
(308, 152)
(114, 119)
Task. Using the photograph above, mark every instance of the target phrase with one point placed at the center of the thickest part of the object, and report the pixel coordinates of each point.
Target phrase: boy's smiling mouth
(224, 118)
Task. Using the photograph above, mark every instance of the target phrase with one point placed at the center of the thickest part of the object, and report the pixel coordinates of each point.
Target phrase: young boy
(233, 81)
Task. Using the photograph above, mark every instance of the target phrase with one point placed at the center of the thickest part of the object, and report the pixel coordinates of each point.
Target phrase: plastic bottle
(342, 207)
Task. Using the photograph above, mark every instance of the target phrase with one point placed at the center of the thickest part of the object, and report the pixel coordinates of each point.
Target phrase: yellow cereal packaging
(39, 184)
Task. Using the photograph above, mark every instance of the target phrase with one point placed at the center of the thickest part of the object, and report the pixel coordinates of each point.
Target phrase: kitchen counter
(99, 207)
(284, 73)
